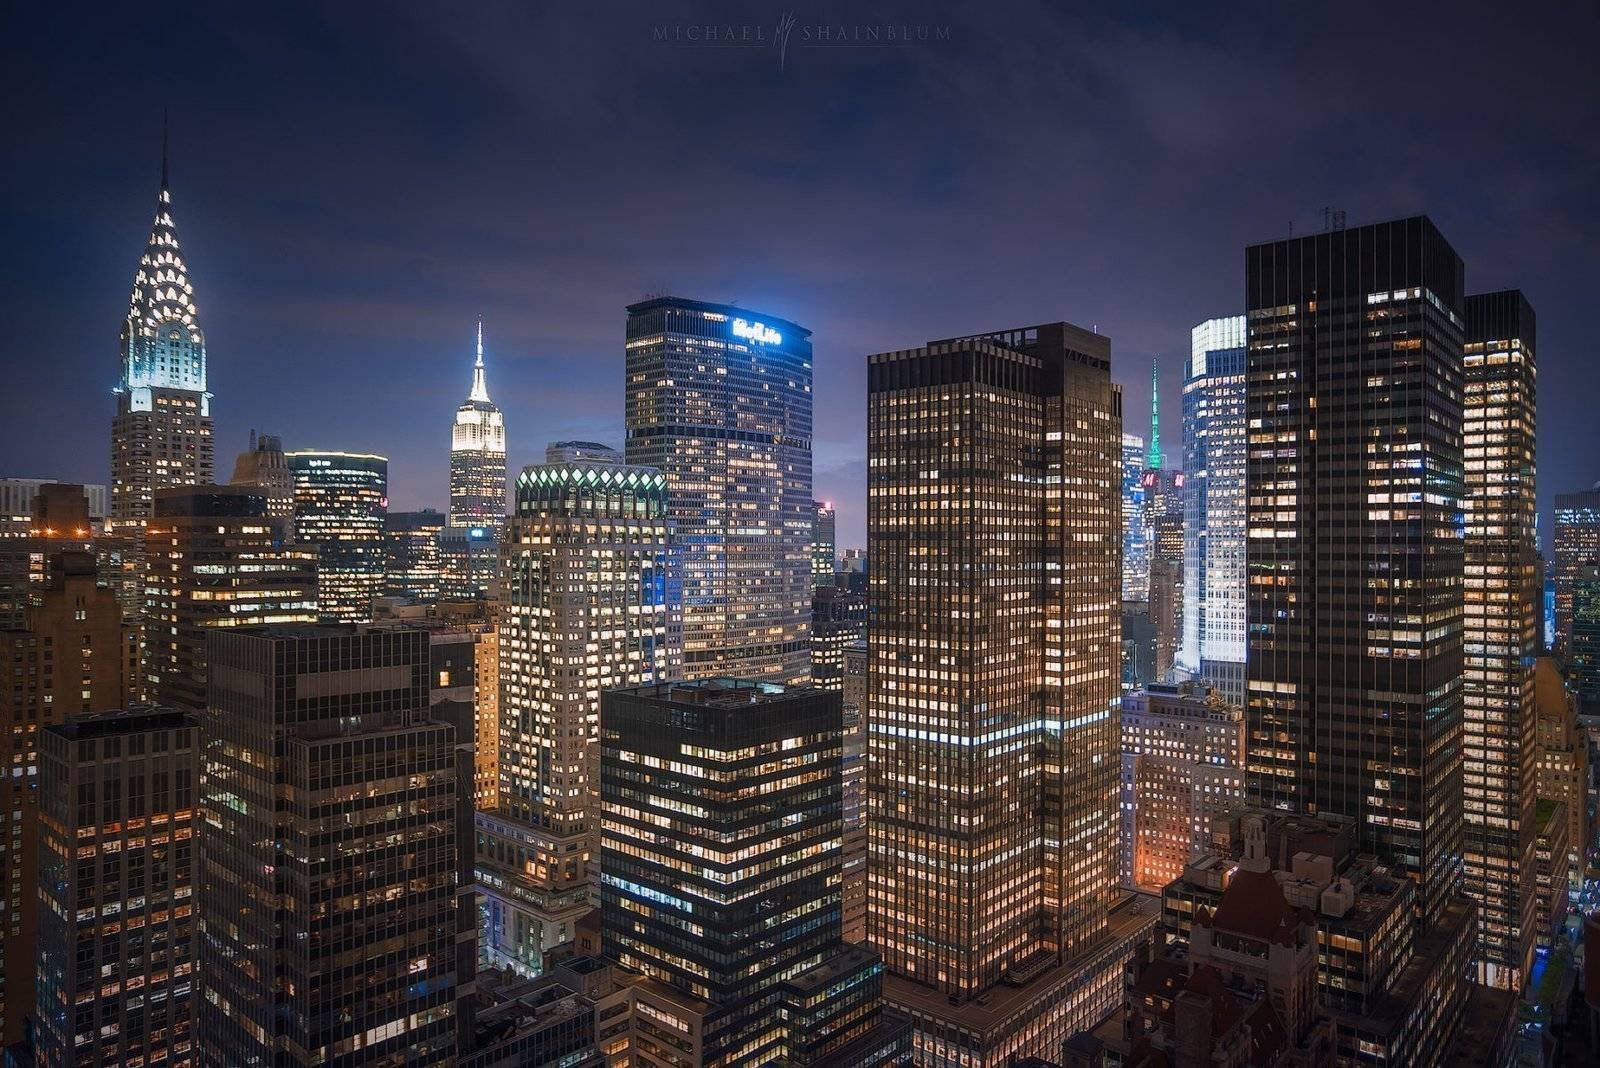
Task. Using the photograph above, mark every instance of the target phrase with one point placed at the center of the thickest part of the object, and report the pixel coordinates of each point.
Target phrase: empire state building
(478, 457)
(162, 434)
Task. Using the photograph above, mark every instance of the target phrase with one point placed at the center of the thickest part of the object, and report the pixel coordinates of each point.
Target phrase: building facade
(340, 501)
(1576, 546)
(838, 618)
(328, 867)
(1501, 632)
(1182, 767)
(1563, 756)
(719, 401)
(592, 603)
(72, 655)
(262, 467)
(995, 537)
(412, 562)
(824, 543)
(118, 796)
(161, 434)
(214, 558)
(1355, 470)
(1135, 555)
(722, 836)
(1164, 541)
(1213, 640)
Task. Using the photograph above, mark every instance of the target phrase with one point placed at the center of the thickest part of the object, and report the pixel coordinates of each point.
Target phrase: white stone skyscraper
(161, 435)
(478, 456)
(1213, 640)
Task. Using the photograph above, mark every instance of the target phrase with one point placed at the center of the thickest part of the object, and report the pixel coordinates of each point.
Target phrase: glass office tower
(1354, 607)
(719, 401)
(1212, 648)
(994, 529)
(1501, 632)
(340, 500)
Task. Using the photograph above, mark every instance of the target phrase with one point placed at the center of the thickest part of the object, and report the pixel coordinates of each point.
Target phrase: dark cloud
(356, 183)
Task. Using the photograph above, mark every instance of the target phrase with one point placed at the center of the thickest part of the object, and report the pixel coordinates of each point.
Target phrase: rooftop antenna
(166, 145)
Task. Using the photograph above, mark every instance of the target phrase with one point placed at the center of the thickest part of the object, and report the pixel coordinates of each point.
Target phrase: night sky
(355, 183)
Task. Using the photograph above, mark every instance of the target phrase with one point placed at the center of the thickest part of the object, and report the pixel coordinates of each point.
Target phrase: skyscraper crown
(162, 292)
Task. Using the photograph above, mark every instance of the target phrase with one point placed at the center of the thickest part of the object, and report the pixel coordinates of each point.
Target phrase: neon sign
(756, 332)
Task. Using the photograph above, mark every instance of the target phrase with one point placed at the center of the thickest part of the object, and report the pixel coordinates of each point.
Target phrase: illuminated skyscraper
(1577, 546)
(824, 543)
(161, 434)
(1135, 554)
(1354, 606)
(1212, 646)
(478, 456)
(340, 500)
(1501, 635)
(719, 400)
(592, 603)
(993, 528)
(214, 559)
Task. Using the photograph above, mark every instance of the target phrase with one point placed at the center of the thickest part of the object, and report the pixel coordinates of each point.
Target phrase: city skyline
(376, 283)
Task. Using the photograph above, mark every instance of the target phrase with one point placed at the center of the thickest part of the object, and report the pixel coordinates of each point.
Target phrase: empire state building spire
(480, 389)
(478, 456)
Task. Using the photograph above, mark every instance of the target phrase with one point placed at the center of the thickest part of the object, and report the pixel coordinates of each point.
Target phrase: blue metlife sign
(758, 332)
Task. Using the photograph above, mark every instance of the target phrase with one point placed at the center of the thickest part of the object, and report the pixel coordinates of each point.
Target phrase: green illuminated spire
(1152, 458)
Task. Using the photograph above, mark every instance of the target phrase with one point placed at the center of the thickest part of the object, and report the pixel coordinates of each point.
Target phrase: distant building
(1135, 553)
(412, 561)
(263, 467)
(854, 863)
(329, 729)
(824, 543)
(838, 617)
(1583, 638)
(118, 796)
(1213, 640)
(214, 559)
(478, 456)
(1182, 767)
(719, 401)
(692, 775)
(340, 501)
(1164, 491)
(16, 502)
(72, 655)
(1577, 545)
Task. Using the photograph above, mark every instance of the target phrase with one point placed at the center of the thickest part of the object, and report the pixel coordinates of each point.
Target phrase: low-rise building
(1182, 767)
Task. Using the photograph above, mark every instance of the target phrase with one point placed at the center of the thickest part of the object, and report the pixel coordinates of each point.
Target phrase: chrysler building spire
(161, 434)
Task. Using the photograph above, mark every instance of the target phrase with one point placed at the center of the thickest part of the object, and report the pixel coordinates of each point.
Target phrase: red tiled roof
(1254, 906)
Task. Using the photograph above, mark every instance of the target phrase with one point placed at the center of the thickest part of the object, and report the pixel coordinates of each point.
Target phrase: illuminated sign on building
(756, 332)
